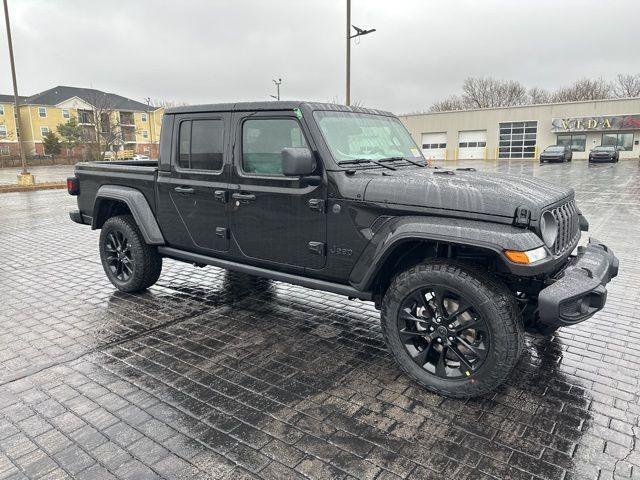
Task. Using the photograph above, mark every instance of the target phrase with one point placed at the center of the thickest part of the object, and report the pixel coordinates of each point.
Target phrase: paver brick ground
(216, 375)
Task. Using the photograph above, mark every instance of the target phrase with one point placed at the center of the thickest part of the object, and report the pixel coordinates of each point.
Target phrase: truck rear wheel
(452, 328)
(130, 264)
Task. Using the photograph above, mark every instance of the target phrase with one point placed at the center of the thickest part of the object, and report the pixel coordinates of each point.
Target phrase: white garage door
(471, 144)
(434, 145)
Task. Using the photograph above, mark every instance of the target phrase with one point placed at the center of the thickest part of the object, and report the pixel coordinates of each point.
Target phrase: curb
(31, 188)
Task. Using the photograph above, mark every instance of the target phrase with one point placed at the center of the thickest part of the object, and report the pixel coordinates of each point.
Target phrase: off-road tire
(147, 262)
(491, 299)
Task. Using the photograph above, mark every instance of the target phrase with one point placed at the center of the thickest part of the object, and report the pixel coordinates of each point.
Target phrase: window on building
(624, 141)
(42, 112)
(430, 146)
(84, 117)
(517, 140)
(1, 109)
(4, 150)
(65, 113)
(3, 130)
(577, 143)
(143, 117)
(44, 131)
(145, 134)
(263, 141)
(201, 145)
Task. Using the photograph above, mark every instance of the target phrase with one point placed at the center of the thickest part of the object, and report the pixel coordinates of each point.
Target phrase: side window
(201, 145)
(185, 144)
(263, 141)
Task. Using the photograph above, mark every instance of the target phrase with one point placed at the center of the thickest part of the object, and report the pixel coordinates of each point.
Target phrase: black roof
(9, 98)
(58, 94)
(270, 106)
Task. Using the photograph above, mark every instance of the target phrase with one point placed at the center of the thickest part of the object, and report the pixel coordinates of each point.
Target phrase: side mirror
(297, 162)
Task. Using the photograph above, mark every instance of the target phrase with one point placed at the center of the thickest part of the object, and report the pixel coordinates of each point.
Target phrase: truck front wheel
(454, 329)
(129, 262)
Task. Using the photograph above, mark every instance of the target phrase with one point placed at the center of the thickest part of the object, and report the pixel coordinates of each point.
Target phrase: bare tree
(627, 86)
(537, 95)
(449, 104)
(166, 103)
(487, 92)
(110, 128)
(583, 89)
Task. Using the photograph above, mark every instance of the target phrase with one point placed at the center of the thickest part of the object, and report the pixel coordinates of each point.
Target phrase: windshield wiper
(397, 159)
(359, 161)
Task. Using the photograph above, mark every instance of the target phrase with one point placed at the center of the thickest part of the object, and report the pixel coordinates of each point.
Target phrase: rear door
(192, 197)
(275, 220)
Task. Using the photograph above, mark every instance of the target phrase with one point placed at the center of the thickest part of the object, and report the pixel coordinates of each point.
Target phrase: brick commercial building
(524, 131)
(136, 125)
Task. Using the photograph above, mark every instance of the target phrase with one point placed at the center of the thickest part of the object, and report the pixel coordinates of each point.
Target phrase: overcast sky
(229, 50)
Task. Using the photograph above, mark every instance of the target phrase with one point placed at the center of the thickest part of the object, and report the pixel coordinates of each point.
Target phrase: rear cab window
(201, 145)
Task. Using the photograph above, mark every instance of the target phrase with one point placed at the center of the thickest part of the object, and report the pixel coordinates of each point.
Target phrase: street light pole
(348, 96)
(15, 93)
(278, 83)
(359, 32)
(148, 100)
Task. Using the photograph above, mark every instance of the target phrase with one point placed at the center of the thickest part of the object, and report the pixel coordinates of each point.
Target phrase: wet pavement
(215, 375)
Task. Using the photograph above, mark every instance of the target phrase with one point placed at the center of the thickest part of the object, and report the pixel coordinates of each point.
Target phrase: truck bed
(138, 174)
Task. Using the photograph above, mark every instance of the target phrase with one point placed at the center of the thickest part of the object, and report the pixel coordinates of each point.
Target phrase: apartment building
(137, 124)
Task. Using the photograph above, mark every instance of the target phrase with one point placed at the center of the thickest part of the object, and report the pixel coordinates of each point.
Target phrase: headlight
(548, 228)
(529, 256)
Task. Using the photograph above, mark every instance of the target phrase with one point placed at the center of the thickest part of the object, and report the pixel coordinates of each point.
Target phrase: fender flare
(140, 209)
(494, 237)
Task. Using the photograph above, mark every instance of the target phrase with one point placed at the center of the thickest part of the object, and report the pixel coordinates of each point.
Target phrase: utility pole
(25, 178)
(148, 100)
(278, 83)
(359, 32)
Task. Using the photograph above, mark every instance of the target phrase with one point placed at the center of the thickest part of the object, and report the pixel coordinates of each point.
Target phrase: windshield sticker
(297, 112)
(416, 152)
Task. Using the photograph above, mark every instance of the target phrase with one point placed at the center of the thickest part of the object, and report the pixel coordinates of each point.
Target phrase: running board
(265, 273)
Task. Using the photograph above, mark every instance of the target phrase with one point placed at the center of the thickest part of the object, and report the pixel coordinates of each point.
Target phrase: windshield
(604, 149)
(554, 149)
(364, 136)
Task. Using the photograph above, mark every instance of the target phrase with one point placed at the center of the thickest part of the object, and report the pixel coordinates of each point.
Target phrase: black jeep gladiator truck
(460, 263)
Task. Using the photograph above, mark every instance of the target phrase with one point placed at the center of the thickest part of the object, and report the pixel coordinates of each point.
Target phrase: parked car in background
(604, 153)
(140, 156)
(556, 153)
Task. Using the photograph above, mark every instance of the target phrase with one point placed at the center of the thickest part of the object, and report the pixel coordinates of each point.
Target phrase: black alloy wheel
(443, 333)
(119, 257)
(130, 263)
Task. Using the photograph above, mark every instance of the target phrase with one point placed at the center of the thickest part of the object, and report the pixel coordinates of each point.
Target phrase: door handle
(220, 196)
(244, 197)
(187, 190)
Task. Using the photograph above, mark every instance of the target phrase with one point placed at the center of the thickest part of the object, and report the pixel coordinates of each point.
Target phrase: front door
(275, 220)
(193, 196)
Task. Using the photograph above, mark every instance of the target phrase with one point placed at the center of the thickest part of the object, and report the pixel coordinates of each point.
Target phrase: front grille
(568, 226)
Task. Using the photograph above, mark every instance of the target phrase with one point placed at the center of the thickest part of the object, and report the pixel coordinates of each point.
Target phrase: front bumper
(601, 159)
(578, 291)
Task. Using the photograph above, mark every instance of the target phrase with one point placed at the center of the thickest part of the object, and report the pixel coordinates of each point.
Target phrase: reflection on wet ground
(217, 375)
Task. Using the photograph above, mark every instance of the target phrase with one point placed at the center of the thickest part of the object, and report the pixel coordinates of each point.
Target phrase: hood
(480, 193)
